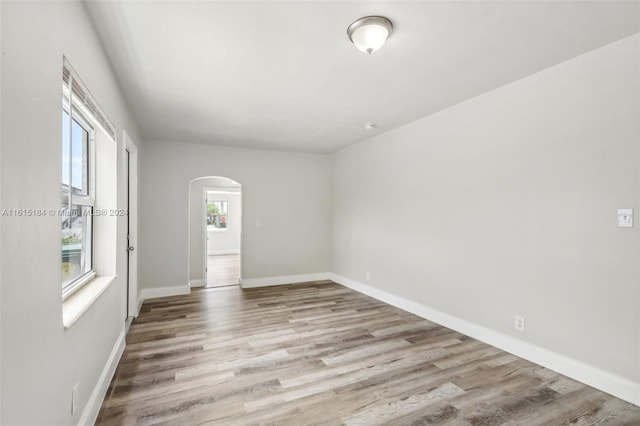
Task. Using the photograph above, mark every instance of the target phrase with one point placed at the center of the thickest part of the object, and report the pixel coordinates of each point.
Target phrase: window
(87, 186)
(78, 198)
(217, 213)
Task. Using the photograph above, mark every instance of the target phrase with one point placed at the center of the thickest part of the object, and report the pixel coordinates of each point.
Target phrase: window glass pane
(79, 156)
(76, 242)
(217, 214)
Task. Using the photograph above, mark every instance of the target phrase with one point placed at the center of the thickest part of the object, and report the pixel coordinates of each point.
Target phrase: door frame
(131, 170)
(205, 233)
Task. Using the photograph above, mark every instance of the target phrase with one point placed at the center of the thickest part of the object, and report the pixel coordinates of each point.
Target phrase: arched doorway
(215, 232)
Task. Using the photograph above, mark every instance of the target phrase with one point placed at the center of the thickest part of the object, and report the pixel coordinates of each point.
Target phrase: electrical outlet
(519, 323)
(625, 218)
(258, 224)
(74, 398)
(368, 276)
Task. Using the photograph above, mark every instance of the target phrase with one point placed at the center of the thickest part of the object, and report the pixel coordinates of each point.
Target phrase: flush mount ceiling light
(368, 34)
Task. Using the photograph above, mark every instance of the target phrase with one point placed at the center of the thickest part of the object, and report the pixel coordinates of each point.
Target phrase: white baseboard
(615, 385)
(227, 251)
(91, 410)
(197, 283)
(152, 293)
(140, 302)
(285, 279)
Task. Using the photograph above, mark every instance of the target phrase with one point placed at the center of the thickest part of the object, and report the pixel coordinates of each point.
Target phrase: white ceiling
(283, 75)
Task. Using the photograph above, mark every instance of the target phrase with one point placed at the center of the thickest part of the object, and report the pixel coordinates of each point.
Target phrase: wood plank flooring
(319, 353)
(223, 270)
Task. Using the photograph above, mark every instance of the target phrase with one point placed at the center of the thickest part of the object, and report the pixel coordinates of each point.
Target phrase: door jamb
(132, 172)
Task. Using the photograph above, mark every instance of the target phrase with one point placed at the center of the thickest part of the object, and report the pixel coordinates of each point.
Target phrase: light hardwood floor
(323, 354)
(223, 270)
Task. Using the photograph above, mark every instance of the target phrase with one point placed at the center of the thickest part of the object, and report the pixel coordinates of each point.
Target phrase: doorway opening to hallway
(223, 223)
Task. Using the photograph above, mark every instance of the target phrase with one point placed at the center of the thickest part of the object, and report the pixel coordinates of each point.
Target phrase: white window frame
(78, 113)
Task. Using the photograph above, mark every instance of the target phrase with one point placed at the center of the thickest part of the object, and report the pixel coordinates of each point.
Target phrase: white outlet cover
(625, 218)
(519, 323)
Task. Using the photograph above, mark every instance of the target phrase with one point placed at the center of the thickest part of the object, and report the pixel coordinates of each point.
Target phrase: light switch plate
(625, 218)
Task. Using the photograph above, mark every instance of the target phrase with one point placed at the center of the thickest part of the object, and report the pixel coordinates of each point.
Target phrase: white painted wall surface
(40, 361)
(506, 205)
(1, 206)
(295, 233)
(226, 241)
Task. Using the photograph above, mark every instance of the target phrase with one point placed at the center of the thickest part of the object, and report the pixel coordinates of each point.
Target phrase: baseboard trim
(285, 279)
(140, 302)
(152, 293)
(197, 283)
(91, 410)
(593, 376)
(227, 251)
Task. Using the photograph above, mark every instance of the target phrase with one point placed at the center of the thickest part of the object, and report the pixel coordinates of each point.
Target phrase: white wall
(1, 206)
(227, 240)
(41, 361)
(506, 205)
(295, 233)
(105, 227)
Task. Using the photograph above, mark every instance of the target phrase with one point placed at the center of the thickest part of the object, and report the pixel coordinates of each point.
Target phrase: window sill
(80, 301)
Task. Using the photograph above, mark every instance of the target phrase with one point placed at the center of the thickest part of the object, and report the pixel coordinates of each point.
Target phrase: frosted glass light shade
(368, 34)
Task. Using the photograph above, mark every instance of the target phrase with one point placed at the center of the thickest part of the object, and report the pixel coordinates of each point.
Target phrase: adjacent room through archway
(215, 228)
(223, 225)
